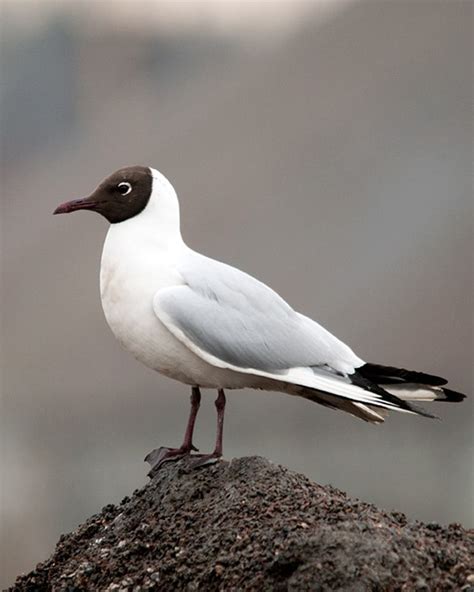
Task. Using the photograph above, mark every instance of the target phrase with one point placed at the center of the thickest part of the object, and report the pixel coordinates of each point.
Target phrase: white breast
(132, 271)
(128, 280)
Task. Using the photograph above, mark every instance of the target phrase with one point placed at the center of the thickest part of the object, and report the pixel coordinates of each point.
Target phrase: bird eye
(124, 188)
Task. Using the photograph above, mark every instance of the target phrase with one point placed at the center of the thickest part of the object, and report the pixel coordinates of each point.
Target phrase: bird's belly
(128, 308)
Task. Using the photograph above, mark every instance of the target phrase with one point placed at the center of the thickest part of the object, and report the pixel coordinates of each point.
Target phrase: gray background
(333, 162)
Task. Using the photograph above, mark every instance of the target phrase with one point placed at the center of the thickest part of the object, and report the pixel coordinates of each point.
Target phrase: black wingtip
(452, 396)
(360, 380)
(387, 374)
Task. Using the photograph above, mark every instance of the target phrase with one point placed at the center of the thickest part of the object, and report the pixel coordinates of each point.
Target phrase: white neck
(157, 225)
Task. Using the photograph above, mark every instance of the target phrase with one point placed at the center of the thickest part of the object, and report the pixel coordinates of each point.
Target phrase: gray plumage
(243, 322)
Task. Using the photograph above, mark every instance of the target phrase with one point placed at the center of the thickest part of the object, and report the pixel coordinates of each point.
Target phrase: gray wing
(241, 321)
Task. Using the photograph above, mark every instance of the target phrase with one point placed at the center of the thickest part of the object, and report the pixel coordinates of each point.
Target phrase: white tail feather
(414, 392)
(340, 386)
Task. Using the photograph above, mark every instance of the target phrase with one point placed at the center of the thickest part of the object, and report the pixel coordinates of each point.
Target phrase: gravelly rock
(252, 525)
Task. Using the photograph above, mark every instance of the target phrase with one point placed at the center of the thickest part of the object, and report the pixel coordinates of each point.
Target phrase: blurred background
(323, 146)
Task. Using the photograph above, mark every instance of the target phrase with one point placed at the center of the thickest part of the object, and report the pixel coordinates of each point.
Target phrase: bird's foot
(203, 460)
(156, 458)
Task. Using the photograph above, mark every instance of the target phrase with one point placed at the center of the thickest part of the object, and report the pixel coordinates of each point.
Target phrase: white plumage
(207, 324)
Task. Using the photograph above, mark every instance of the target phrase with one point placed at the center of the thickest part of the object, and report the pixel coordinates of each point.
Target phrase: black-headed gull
(210, 325)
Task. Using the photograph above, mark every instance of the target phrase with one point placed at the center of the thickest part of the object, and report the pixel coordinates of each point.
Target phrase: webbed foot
(156, 458)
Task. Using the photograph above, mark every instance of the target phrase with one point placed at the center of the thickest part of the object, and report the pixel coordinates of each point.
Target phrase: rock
(251, 525)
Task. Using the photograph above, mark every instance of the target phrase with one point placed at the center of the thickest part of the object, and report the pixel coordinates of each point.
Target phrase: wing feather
(243, 322)
(233, 321)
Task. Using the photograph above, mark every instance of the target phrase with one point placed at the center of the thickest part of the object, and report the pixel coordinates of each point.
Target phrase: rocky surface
(252, 525)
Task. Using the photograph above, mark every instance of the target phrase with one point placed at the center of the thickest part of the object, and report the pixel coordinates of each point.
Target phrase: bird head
(120, 196)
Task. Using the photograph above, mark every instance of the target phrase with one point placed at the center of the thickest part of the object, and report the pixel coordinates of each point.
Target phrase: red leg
(220, 406)
(195, 403)
(163, 454)
(205, 459)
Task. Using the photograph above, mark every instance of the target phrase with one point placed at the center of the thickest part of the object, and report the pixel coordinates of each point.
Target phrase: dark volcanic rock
(252, 525)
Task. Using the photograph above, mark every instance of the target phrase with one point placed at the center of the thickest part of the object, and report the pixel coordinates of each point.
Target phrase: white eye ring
(126, 185)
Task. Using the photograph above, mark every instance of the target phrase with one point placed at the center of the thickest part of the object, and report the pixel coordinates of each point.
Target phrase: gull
(210, 325)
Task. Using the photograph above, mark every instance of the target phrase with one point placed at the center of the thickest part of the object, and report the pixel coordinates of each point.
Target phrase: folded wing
(233, 321)
(244, 323)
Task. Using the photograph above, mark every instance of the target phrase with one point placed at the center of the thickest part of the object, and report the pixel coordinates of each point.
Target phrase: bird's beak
(87, 203)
